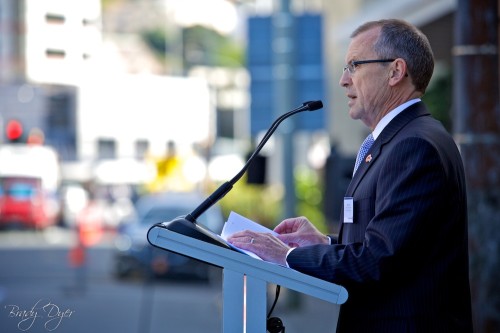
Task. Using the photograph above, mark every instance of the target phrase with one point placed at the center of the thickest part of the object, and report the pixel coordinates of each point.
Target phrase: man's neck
(391, 115)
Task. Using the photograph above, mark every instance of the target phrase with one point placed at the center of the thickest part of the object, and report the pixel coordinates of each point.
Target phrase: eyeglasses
(351, 67)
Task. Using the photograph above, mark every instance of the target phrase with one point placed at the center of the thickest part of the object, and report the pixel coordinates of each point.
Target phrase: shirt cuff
(293, 248)
(289, 251)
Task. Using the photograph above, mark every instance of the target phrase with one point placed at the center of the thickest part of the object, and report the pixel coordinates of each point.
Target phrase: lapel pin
(368, 158)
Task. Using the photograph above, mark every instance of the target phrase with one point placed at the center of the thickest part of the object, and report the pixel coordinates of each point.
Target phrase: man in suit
(402, 250)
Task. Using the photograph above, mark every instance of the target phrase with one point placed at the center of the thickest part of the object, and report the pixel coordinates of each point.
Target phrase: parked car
(24, 203)
(135, 257)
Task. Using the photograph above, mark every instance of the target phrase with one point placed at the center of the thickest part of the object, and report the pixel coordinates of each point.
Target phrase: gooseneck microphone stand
(188, 226)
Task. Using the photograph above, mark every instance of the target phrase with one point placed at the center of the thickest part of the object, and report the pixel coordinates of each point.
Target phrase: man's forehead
(362, 44)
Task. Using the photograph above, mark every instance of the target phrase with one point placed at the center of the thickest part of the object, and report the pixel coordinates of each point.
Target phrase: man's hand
(265, 245)
(293, 232)
(299, 231)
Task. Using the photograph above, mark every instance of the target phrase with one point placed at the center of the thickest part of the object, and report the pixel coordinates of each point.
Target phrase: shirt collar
(389, 116)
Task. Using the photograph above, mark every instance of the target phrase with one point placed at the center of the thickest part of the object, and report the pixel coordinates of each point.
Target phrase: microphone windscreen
(314, 105)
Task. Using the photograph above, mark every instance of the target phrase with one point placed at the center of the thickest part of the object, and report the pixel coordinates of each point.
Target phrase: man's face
(367, 88)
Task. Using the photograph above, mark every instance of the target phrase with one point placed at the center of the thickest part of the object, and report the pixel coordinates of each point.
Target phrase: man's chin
(353, 114)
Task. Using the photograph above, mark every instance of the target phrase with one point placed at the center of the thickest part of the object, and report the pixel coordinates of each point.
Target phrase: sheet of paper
(235, 223)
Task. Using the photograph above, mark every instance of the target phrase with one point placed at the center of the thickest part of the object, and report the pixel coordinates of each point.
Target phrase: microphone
(188, 226)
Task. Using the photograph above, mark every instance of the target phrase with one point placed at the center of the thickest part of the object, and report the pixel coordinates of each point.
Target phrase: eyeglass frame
(351, 67)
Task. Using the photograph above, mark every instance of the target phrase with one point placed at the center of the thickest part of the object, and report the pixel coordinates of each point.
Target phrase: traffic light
(14, 131)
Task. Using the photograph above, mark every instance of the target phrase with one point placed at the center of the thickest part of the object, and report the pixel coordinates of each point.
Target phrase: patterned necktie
(362, 151)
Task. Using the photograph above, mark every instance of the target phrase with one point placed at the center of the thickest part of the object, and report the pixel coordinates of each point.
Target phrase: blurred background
(117, 114)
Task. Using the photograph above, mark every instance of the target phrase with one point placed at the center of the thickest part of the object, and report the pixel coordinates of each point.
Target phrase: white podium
(245, 280)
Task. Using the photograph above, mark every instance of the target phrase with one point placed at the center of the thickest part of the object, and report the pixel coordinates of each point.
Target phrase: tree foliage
(196, 46)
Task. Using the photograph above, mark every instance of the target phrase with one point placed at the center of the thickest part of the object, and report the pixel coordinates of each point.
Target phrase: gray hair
(400, 39)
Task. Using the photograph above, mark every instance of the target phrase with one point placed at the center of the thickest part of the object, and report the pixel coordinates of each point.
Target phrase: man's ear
(398, 71)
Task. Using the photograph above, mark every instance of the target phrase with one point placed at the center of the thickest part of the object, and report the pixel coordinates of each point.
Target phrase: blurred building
(60, 73)
(45, 47)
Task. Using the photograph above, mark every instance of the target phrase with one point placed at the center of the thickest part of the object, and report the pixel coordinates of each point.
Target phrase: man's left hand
(265, 245)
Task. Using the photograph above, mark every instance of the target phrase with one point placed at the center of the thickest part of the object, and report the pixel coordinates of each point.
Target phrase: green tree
(438, 98)
(200, 46)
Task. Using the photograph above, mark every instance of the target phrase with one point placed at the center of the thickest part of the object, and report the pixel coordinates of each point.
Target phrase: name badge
(348, 210)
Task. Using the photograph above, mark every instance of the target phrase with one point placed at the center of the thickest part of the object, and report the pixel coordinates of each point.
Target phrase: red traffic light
(14, 130)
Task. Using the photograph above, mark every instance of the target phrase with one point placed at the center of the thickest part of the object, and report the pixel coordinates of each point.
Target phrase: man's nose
(345, 79)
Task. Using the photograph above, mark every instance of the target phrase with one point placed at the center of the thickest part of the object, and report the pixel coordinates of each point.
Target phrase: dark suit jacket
(404, 260)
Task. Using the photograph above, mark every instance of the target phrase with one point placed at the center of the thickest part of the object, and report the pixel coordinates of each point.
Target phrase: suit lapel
(403, 118)
(396, 124)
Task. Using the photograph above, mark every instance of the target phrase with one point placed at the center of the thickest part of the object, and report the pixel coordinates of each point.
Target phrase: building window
(54, 18)
(53, 53)
(141, 149)
(106, 149)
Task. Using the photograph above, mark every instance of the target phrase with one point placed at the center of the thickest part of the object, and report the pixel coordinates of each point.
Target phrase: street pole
(284, 78)
(477, 132)
(284, 49)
